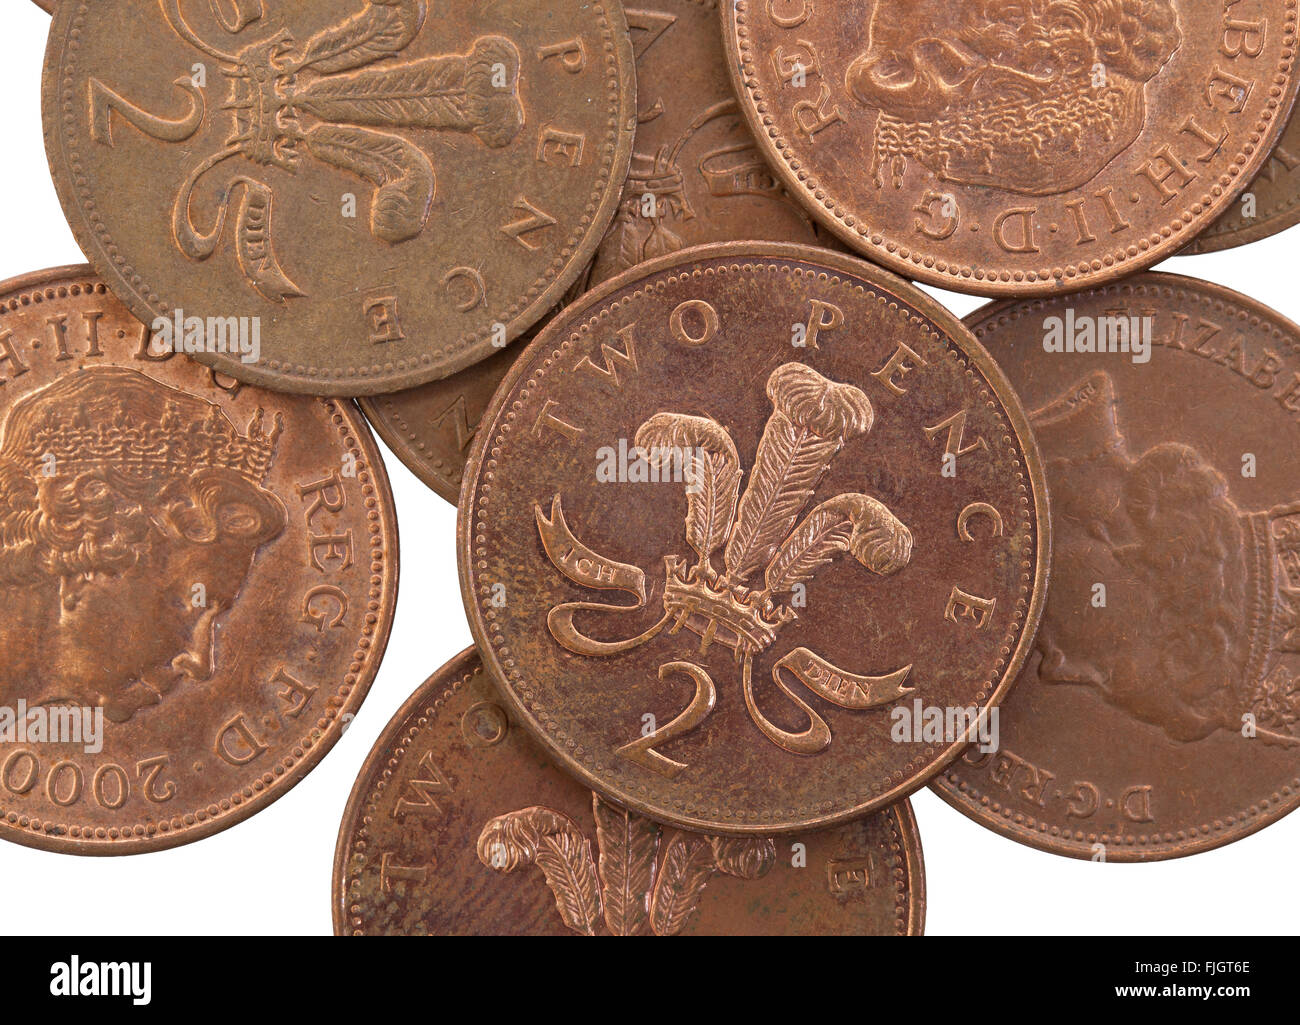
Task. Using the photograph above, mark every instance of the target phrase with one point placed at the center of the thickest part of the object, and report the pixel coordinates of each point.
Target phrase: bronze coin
(696, 177)
(393, 191)
(45, 5)
(736, 661)
(1157, 716)
(1009, 149)
(198, 579)
(1268, 207)
(460, 824)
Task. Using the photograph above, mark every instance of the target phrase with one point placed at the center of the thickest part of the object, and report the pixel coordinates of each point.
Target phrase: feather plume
(565, 861)
(743, 857)
(383, 28)
(423, 94)
(555, 844)
(712, 471)
(845, 523)
(811, 420)
(628, 847)
(687, 868)
(402, 175)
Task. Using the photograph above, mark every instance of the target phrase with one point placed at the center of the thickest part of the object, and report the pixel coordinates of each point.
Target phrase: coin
(198, 579)
(696, 177)
(1157, 715)
(45, 5)
(1014, 148)
(393, 194)
(1268, 207)
(460, 824)
(744, 662)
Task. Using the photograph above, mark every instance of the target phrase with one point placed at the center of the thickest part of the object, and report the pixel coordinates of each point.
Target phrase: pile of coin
(754, 536)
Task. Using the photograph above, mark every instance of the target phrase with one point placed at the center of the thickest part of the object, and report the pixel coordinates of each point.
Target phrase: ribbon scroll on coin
(395, 190)
(738, 513)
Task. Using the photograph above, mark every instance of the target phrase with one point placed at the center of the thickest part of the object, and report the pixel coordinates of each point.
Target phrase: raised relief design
(638, 885)
(762, 535)
(1030, 96)
(118, 495)
(655, 196)
(285, 97)
(1210, 595)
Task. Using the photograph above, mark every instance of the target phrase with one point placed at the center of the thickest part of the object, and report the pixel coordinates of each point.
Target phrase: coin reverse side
(1014, 148)
(696, 177)
(737, 522)
(389, 191)
(1157, 715)
(198, 579)
(460, 825)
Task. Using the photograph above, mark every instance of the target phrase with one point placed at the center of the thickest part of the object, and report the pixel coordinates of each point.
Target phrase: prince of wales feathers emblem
(283, 97)
(631, 887)
(811, 421)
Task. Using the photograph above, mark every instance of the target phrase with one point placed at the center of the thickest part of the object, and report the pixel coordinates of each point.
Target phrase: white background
(271, 873)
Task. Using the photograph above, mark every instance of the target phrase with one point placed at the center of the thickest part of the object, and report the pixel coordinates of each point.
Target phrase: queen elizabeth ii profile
(130, 515)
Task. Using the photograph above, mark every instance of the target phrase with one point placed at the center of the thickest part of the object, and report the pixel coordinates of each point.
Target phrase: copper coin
(736, 660)
(392, 190)
(1268, 207)
(1159, 714)
(1021, 148)
(460, 824)
(45, 5)
(198, 579)
(696, 177)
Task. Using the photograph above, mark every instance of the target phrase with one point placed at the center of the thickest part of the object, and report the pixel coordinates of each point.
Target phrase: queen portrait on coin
(1031, 96)
(1209, 591)
(130, 516)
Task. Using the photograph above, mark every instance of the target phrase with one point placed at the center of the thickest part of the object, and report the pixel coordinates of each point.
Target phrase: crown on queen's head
(147, 449)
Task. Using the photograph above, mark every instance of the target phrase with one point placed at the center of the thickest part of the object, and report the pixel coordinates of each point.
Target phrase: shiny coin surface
(737, 522)
(696, 177)
(198, 579)
(390, 191)
(1158, 714)
(1014, 148)
(1271, 205)
(460, 824)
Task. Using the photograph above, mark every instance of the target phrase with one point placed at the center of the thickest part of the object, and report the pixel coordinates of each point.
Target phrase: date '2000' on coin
(198, 579)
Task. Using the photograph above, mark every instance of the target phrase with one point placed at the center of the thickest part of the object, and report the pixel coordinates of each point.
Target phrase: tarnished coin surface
(460, 824)
(392, 189)
(1268, 207)
(198, 579)
(1158, 715)
(1021, 148)
(696, 177)
(738, 522)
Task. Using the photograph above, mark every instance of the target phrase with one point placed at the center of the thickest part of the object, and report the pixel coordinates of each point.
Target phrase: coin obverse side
(1157, 715)
(388, 190)
(198, 577)
(1268, 207)
(753, 659)
(696, 177)
(1011, 149)
(459, 824)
